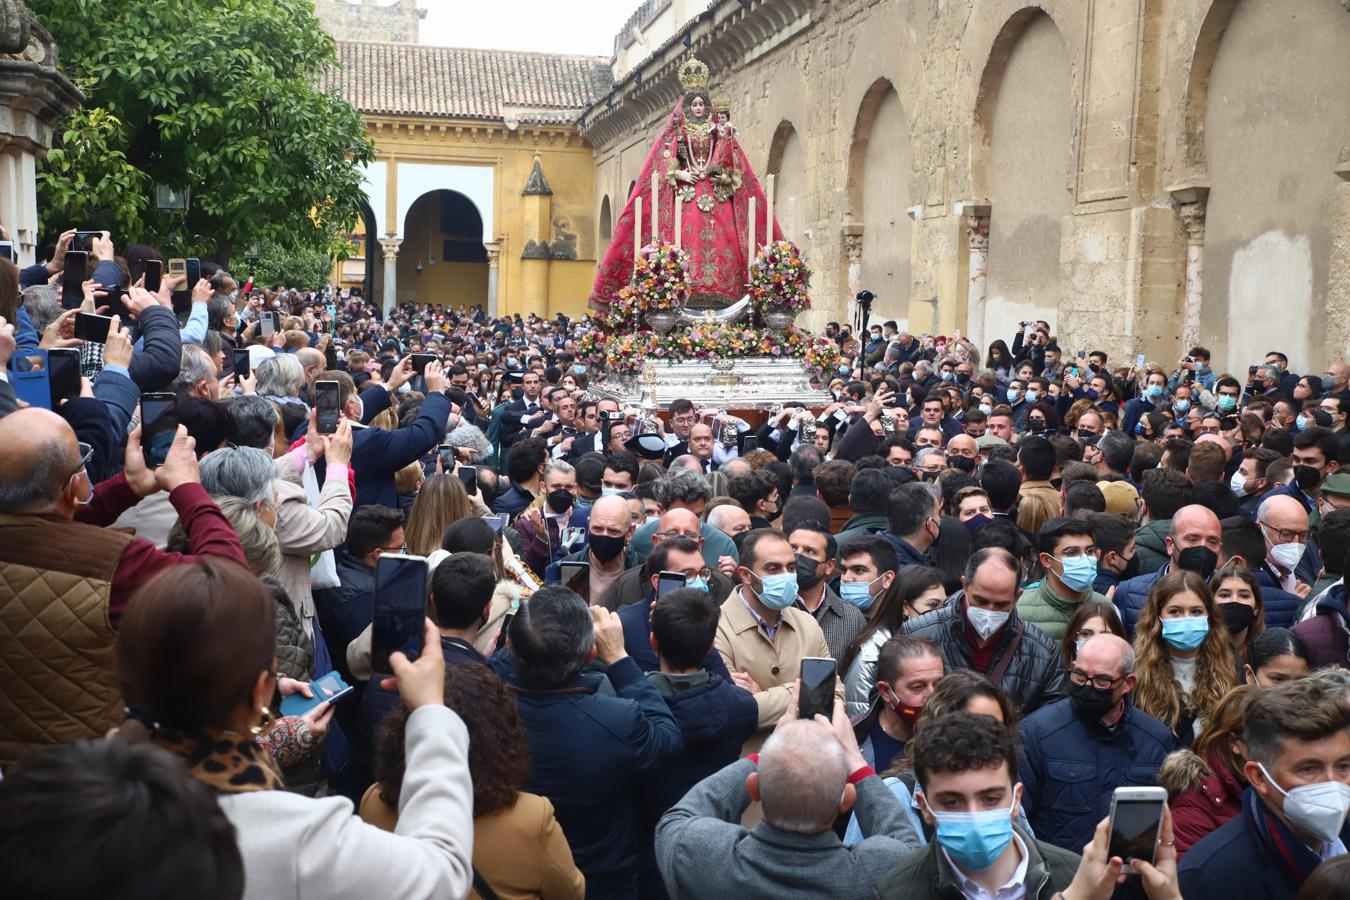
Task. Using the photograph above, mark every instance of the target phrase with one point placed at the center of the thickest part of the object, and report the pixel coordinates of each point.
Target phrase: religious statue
(696, 162)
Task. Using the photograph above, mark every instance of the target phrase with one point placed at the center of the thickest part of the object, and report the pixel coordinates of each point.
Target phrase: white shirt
(1015, 889)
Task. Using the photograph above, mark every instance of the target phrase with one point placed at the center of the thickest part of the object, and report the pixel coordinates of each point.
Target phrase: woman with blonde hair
(441, 502)
(1184, 661)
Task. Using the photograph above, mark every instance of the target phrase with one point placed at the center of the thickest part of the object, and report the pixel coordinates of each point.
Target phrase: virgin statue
(698, 164)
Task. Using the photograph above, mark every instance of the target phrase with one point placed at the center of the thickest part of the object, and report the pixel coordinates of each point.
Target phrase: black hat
(647, 446)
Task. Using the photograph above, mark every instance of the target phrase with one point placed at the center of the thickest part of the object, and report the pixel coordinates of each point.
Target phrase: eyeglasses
(1286, 535)
(399, 549)
(1075, 552)
(86, 454)
(1101, 682)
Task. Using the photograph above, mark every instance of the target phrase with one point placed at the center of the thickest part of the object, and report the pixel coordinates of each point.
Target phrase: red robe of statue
(714, 228)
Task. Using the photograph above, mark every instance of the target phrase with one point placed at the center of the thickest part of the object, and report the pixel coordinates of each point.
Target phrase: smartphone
(63, 367)
(749, 443)
(1082, 354)
(817, 695)
(243, 364)
(1136, 816)
(193, 270)
(154, 275)
(327, 689)
(400, 608)
(31, 380)
(1139, 361)
(159, 424)
(569, 571)
(73, 277)
(248, 286)
(468, 476)
(667, 582)
(7, 251)
(86, 239)
(91, 327)
(326, 395)
(506, 625)
(497, 522)
(419, 362)
(177, 269)
(267, 326)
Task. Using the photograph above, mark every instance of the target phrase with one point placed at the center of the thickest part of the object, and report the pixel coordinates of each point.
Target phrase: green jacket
(1148, 542)
(861, 524)
(1045, 609)
(927, 874)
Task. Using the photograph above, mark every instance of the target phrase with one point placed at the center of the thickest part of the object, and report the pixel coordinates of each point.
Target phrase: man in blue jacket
(1077, 751)
(1297, 748)
(1196, 543)
(590, 754)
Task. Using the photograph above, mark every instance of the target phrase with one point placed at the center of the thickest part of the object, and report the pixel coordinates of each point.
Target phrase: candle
(656, 209)
(637, 230)
(750, 240)
(768, 210)
(679, 210)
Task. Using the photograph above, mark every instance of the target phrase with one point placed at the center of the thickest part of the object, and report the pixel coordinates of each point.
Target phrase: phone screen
(63, 365)
(326, 406)
(193, 270)
(159, 424)
(400, 608)
(469, 477)
(154, 275)
(419, 362)
(497, 521)
(243, 364)
(749, 443)
(667, 582)
(569, 571)
(266, 324)
(76, 267)
(817, 696)
(91, 327)
(1134, 828)
(501, 635)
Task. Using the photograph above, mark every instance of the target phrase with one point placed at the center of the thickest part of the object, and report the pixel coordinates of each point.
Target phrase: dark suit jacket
(512, 428)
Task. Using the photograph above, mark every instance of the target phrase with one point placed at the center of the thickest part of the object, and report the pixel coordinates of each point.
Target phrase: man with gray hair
(1078, 750)
(243, 472)
(589, 751)
(196, 373)
(807, 775)
(686, 490)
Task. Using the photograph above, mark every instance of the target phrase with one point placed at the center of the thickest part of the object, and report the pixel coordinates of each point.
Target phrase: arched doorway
(880, 188)
(606, 220)
(787, 163)
(442, 260)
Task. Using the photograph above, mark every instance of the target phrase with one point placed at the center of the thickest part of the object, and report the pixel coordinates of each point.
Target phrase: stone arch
(443, 259)
(880, 191)
(605, 225)
(787, 163)
(1198, 73)
(1022, 161)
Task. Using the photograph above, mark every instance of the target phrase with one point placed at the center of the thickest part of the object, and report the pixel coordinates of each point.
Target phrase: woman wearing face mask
(1000, 360)
(1185, 663)
(1238, 597)
(1205, 783)
(1152, 397)
(1275, 656)
(903, 595)
(1088, 620)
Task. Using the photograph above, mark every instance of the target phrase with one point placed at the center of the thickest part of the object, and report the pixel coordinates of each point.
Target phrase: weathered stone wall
(1093, 132)
(367, 20)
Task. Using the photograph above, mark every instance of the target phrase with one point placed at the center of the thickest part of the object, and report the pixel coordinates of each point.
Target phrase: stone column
(1336, 341)
(494, 253)
(1191, 202)
(853, 246)
(977, 242)
(389, 300)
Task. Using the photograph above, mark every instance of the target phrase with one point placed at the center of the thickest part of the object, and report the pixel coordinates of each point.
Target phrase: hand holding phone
(817, 694)
(399, 608)
(1136, 816)
(159, 425)
(326, 406)
(91, 327)
(327, 689)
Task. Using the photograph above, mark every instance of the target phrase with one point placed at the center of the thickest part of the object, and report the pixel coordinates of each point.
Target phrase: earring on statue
(268, 720)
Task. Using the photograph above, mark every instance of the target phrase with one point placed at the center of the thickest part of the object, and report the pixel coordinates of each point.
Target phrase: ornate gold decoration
(694, 74)
(722, 104)
(726, 182)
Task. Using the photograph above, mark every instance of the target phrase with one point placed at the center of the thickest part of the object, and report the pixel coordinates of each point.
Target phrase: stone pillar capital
(976, 215)
(853, 241)
(494, 253)
(1191, 202)
(390, 247)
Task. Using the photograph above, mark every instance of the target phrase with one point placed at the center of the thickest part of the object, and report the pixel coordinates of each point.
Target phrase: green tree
(302, 268)
(222, 97)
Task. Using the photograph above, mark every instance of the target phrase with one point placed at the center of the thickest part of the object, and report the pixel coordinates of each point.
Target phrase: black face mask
(1091, 703)
(1308, 477)
(961, 463)
(738, 539)
(1131, 567)
(1236, 616)
(808, 572)
(605, 547)
(1201, 560)
(559, 501)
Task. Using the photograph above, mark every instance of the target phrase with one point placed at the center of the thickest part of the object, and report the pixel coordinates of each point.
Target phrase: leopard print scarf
(226, 761)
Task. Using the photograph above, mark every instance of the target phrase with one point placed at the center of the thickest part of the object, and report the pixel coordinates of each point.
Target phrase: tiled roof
(452, 82)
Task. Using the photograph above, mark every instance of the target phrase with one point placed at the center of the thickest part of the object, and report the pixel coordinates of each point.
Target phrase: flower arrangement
(660, 279)
(625, 352)
(779, 279)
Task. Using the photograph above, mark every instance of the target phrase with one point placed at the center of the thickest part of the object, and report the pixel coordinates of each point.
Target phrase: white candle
(637, 230)
(679, 210)
(656, 209)
(768, 210)
(750, 239)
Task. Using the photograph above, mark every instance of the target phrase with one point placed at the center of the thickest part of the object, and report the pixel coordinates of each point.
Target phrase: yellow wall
(569, 166)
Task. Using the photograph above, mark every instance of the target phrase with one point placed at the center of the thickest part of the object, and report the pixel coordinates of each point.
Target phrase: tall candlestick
(637, 230)
(768, 210)
(656, 209)
(679, 209)
(750, 240)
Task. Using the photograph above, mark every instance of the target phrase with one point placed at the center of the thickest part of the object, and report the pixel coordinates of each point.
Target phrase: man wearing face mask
(1195, 543)
(606, 551)
(1284, 523)
(1068, 556)
(1293, 817)
(816, 550)
(908, 671)
(1096, 731)
(541, 526)
(982, 631)
(762, 636)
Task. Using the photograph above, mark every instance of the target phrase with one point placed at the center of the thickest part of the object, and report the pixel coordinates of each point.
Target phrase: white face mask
(985, 621)
(1319, 809)
(1238, 484)
(1287, 556)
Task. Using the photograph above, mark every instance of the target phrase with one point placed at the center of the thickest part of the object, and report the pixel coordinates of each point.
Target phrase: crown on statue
(722, 104)
(694, 74)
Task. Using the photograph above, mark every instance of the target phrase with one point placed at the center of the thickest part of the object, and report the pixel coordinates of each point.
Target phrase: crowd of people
(1039, 578)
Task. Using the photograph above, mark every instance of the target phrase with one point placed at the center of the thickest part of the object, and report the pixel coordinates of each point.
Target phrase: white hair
(802, 774)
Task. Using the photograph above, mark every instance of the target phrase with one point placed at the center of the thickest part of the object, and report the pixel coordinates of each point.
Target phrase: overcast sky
(557, 26)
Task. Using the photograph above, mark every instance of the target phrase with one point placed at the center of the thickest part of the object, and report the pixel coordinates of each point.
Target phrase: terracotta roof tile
(452, 82)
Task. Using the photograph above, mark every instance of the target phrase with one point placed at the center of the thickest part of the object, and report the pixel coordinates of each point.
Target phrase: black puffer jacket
(1035, 676)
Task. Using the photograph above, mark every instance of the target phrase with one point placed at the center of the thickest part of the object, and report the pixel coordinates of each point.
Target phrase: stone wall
(397, 22)
(1103, 139)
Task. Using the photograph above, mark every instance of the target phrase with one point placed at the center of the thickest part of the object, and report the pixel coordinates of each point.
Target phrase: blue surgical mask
(975, 839)
(858, 593)
(697, 583)
(777, 591)
(1079, 572)
(1300, 421)
(1182, 405)
(1227, 403)
(610, 491)
(579, 369)
(948, 376)
(1187, 632)
(1033, 396)
(1012, 395)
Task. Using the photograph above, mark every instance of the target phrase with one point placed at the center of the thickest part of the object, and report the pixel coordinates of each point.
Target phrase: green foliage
(296, 267)
(219, 96)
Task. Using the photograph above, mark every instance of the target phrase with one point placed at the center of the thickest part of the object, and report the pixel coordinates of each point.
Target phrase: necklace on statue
(698, 165)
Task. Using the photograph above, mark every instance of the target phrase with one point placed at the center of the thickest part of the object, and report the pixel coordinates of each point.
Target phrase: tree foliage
(219, 96)
(301, 268)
